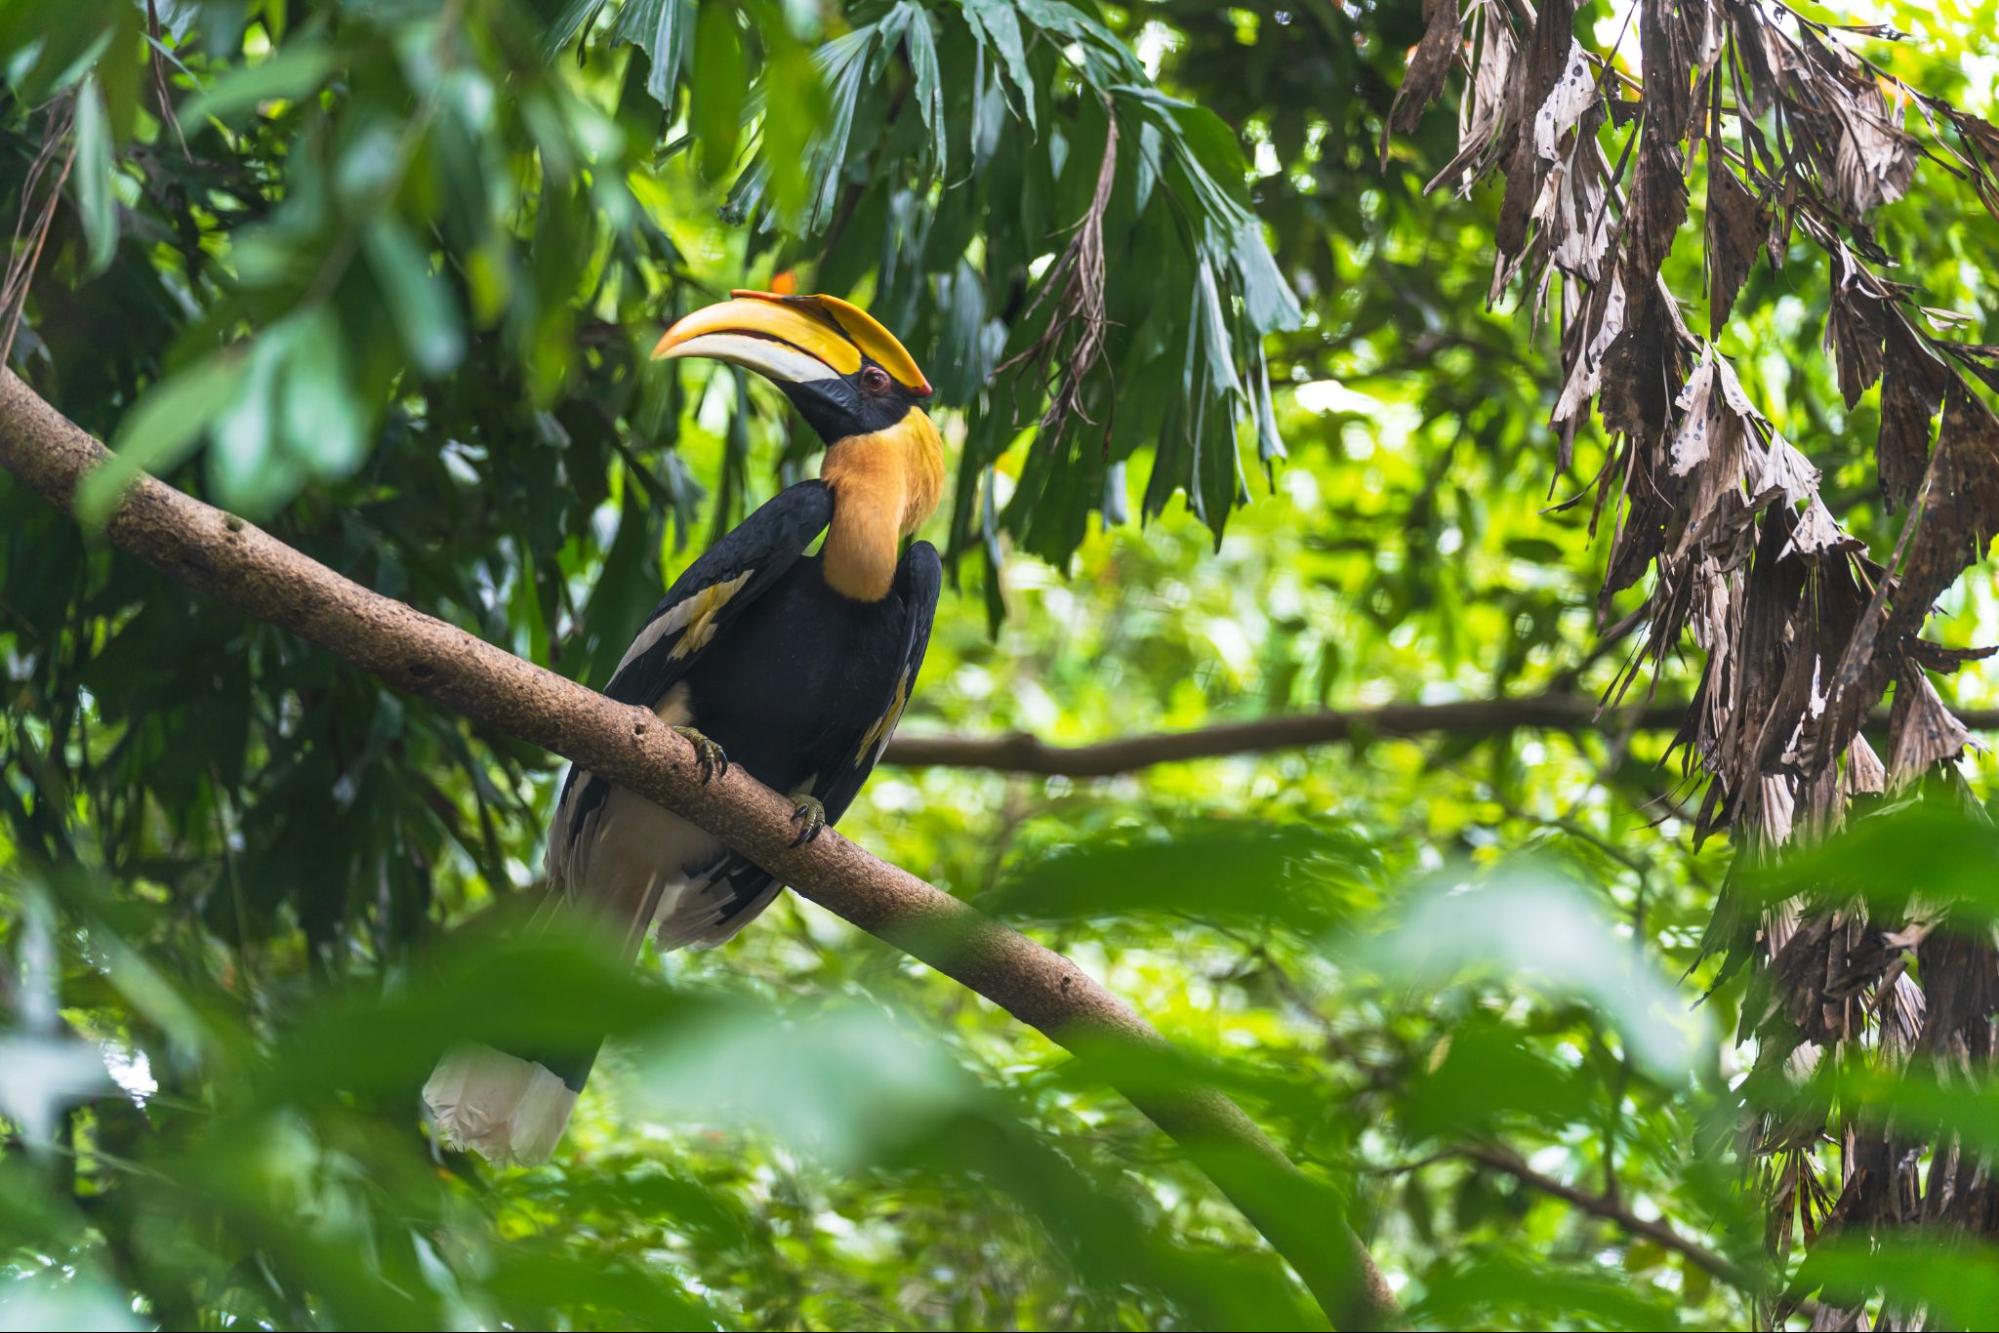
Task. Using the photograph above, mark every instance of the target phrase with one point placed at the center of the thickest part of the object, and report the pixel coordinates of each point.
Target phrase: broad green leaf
(996, 23)
(663, 29)
(843, 65)
(160, 430)
(425, 311)
(1506, 1291)
(922, 41)
(295, 70)
(1534, 928)
(94, 173)
(242, 457)
(322, 420)
(1954, 1277)
(574, 17)
(1301, 876)
(717, 98)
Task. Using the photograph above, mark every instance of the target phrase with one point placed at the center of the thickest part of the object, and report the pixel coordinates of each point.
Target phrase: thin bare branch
(1021, 752)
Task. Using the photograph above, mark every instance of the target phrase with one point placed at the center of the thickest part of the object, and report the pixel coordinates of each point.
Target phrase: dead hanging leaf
(1876, 158)
(1709, 448)
(1855, 140)
(1936, 657)
(1481, 115)
(1641, 372)
(1961, 511)
(1754, 55)
(1071, 345)
(1573, 215)
(1922, 732)
(1690, 441)
(1980, 134)
(1981, 359)
(1657, 208)
(1855, 327)
(1912, 386)
(1736, 225)
(1784, 471)
(1819, 533)
(1981, 154)
(1424, 78)
(1574, 93)
(1956, 515)
(1651, 499)
(1585, 343)
(1547, 56)
(1865, 773)
(1683, 36)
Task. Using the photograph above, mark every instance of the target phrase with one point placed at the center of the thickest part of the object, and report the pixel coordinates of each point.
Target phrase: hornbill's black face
(846, 374)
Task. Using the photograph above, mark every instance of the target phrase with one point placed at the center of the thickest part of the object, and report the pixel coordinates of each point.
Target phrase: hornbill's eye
(874, 379)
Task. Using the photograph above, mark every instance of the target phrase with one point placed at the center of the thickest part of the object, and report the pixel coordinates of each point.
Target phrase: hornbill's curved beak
(792, 340)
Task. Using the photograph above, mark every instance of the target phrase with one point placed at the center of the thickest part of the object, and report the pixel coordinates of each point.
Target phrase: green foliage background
(384, 278)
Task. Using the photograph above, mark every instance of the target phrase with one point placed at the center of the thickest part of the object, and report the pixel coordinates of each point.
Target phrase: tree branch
(224, 556)
(1616, 1211)
(1021, 752)
(1613, 1210)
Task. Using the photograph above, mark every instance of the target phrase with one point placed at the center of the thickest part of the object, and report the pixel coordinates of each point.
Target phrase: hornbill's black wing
(917, 581)
(745, 888)
(713, 591)
(708, 595)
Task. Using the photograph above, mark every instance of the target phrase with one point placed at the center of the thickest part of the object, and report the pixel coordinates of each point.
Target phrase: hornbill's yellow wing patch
(717, 588)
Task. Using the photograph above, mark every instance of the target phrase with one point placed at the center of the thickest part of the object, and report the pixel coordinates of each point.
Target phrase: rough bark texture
(222, 555)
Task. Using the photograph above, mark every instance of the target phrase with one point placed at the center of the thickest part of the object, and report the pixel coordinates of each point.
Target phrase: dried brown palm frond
(41, 191)
(1071, 343)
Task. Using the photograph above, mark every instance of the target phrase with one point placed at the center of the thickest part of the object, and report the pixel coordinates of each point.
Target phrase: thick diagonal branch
(221, 555)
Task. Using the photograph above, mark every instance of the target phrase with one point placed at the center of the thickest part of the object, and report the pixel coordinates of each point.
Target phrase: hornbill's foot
(810, 816)
(712, 758)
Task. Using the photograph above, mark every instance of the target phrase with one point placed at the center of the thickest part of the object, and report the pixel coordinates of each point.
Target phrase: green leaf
(1295, 875)
(662, 29)
(716, 98)
(425, 311)
(298, 68)
(323, 422)
(574, 18)
(843, 64)
(1267, 299)
(1956, 1278)
(929, 79)
(94, 173)
(996, 23)
(241, 465)
(1540, 931)
(159, 431)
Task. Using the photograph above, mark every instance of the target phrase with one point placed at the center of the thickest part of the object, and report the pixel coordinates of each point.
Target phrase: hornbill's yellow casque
(795, 666)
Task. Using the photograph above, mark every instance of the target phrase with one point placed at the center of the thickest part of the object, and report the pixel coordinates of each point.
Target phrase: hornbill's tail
(512, 1109)
(507, 1109)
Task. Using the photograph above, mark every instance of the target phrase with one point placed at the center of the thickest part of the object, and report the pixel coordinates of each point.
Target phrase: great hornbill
(795, 666)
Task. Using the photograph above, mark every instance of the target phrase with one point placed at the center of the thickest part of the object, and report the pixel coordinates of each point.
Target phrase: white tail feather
(504, 1108)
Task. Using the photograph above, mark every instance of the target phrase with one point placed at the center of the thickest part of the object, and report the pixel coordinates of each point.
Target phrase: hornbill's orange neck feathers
(794, 666)
(856, 385)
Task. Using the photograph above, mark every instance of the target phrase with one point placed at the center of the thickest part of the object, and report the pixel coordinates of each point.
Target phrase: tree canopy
(1590, 405)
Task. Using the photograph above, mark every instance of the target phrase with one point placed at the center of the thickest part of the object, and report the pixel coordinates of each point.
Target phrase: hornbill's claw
(712, 758)
(810, 816)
